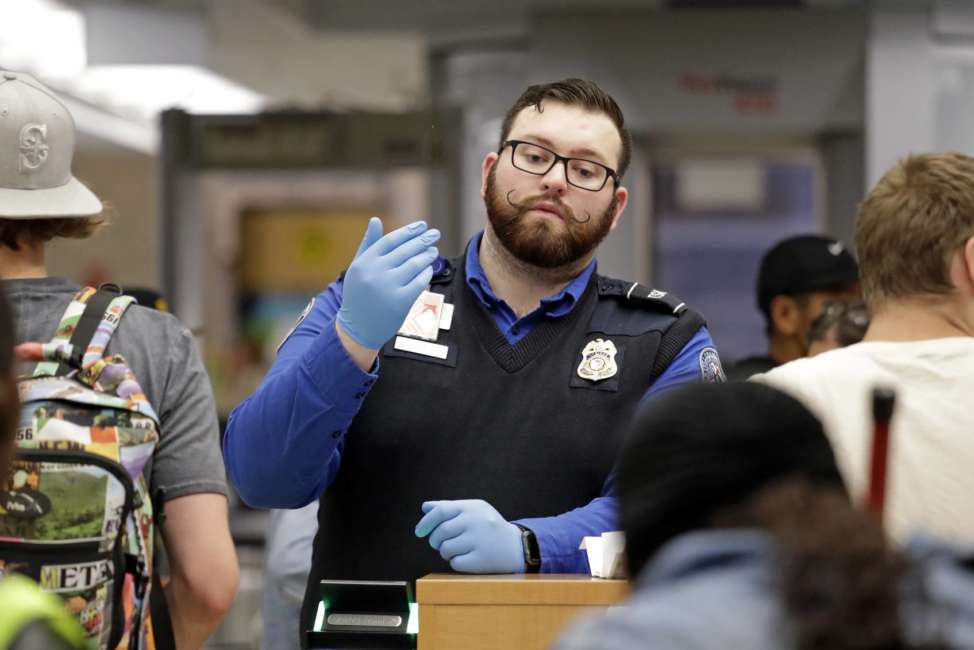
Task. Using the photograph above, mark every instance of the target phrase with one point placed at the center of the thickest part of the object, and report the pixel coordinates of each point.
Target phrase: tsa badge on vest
(598, 361)
(710, 368)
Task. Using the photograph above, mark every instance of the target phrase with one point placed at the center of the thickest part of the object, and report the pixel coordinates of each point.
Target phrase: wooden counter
(509, 612)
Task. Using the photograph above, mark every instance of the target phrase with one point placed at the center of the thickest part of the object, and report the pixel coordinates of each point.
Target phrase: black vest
(513, 425)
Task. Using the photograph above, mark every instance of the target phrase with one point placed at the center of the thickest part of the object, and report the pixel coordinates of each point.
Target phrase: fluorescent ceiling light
(143, 91)
(43, 37)
(120, 103)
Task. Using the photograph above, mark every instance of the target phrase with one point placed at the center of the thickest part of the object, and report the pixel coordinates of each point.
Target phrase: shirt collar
(559, 304)
(704, 549)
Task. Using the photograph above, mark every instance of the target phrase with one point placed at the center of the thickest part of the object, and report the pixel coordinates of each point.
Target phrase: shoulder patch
(710, 369)
(304, 314)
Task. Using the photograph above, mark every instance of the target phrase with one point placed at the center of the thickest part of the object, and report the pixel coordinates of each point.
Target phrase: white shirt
(930, 481)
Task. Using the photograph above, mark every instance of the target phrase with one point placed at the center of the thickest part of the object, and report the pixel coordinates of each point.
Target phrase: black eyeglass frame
(610, 173)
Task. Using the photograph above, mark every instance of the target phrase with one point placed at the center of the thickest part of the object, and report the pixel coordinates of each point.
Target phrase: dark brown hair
(574, 92)
(838, 577)
(40, 231)
(912, 222)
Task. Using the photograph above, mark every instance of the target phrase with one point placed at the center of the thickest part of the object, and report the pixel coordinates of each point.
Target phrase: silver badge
(598, 360)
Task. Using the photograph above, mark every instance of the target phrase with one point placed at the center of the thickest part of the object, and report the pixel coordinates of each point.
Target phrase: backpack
(75, 512)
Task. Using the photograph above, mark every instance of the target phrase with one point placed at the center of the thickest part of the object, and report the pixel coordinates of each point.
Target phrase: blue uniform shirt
(283, 444)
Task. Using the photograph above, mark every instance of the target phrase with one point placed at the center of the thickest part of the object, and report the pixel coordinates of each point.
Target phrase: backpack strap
(85, 330)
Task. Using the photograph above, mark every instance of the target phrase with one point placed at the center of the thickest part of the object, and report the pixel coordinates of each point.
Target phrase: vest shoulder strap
(675, 339)
(637, 294)
(677, 330)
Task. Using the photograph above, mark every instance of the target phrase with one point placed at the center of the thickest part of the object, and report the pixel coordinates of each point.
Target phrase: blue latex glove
(472, 536)
(384, 280)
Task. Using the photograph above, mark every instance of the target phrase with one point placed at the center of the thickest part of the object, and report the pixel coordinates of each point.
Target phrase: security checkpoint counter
(523, 611)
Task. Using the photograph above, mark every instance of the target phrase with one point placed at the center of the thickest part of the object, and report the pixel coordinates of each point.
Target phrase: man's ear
(785, 315)
(622, 198)
(967, 257)
(489, 161)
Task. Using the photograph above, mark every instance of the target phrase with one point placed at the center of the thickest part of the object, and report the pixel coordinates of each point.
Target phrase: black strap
(94, 312)
(639, 294)
(675, 339)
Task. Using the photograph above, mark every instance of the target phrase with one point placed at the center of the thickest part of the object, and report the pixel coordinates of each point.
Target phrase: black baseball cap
(804, 263)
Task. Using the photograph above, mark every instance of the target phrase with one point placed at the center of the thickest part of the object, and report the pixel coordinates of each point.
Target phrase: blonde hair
(912, 223)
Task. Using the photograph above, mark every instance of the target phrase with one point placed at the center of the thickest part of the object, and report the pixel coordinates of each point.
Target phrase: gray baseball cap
(36, 149)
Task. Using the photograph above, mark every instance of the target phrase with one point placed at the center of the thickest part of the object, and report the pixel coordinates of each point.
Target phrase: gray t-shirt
(163, 355)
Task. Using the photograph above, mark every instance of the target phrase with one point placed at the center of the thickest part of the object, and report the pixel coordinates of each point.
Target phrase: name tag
(425, 348)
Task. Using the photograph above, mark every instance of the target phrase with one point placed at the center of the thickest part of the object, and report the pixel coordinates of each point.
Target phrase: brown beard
(543, 243)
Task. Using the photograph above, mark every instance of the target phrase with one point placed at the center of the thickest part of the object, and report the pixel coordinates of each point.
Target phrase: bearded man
(474, 402)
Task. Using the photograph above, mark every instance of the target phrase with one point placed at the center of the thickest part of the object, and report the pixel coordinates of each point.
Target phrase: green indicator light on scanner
(412, 627)
(320, 616)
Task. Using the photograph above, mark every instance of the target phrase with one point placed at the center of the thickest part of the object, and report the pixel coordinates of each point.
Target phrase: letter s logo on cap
(33, 147)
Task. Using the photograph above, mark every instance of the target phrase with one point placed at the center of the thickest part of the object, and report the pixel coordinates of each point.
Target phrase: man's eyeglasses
(535, 159)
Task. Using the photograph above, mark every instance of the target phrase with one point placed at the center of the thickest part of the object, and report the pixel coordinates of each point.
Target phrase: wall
(643, 58)
(375, 70)
(899, 89)
(125, 252)
(756, 71)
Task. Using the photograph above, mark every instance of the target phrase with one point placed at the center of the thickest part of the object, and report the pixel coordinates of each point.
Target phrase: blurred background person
(290, 539)
(798, 277)
(740, 534)
(840, 324)
(915, 240)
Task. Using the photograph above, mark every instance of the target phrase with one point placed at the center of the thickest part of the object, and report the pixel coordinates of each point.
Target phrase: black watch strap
(532, 553)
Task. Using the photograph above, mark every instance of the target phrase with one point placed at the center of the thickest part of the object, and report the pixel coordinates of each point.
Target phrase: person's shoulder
(149, 321)
(632, 309)
(686, 614)
(639, 296)
(824, 364)
(743, 369)
(947, 573)
(628, 627)
(156, 333)
(822, 381)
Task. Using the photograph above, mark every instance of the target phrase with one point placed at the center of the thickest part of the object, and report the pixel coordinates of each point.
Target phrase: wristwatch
(532, 554)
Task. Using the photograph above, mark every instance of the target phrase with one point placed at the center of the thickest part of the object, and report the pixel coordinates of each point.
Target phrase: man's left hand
(472, 536)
